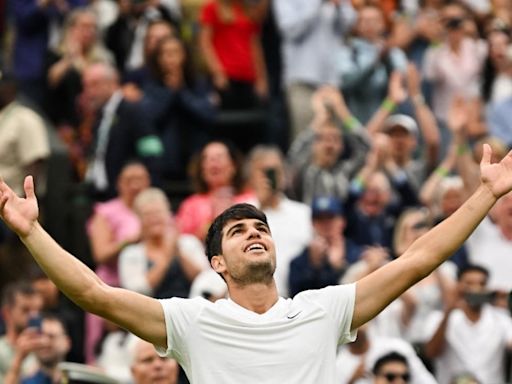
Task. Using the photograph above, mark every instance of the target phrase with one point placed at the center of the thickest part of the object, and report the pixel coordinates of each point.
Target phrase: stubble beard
(258, 272)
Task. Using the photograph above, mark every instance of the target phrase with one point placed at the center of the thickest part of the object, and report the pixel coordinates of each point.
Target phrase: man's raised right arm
(137, 313)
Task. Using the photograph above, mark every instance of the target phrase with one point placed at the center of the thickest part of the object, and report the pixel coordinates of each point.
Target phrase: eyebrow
(236, 226)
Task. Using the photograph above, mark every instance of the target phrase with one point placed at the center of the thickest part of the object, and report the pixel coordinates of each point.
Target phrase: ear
(218, 263)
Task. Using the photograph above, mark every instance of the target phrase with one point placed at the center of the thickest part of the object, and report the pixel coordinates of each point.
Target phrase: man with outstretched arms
(254, 336)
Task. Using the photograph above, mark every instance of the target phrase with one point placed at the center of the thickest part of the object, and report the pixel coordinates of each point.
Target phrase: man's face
(327, 146)
(376, 195)
(24, 307)
(156, 33)
(55, 344)
(248, 253)
(402, 142)
(329, 226)
(473, 282)
(97, 86)
(392, 372)
(261, 165)
(149, 368)
(370, 24)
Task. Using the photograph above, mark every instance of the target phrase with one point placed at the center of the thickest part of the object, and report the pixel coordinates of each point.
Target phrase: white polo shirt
(294, 342)
(477, 348)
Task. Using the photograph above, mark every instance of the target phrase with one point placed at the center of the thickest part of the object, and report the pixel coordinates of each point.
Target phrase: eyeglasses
(391, 376)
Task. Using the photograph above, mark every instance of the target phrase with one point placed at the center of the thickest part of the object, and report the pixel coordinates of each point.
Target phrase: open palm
(497, 177)
(20, 214)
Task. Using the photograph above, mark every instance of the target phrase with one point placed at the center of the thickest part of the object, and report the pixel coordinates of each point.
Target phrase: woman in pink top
(112, 226)
(217, 176)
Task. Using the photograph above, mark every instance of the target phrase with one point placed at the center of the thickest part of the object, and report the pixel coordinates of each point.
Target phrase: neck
(455, 45)
(257, 297)
(473, 314)
(155, 241)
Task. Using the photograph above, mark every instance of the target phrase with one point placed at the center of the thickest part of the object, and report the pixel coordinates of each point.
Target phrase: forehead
(134, 170)
(247, 222)
(143, 351)
(215, 149)
(473, 276)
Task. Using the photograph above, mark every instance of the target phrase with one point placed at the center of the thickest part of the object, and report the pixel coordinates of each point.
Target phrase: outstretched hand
(496, 177)
(20, 214)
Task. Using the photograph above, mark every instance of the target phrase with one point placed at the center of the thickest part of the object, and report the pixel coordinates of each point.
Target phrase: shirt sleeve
(179, 315)
(208, 15)
(338, 301)
(33, 139)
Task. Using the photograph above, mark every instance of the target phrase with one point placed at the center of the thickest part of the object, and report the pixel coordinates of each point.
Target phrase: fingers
(486, 156)
(28, 186)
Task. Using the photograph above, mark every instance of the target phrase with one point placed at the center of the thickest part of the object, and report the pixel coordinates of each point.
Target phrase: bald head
(149, 368)
(100, 81)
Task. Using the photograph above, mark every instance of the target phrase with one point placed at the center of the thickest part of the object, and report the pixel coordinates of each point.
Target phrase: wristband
(388, 105)
(441, 171)
(350, 123)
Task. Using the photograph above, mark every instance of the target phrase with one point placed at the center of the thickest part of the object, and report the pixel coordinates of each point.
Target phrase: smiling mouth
(255, 247)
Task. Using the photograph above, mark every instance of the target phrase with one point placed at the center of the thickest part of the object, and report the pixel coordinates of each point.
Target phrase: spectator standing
(471, 335)
(312, 31)
(366, 63)
(231, 47)
(219, 183)
(454, 66)
(80, 46)
(120, 133)
(179, 106)
(33, 25)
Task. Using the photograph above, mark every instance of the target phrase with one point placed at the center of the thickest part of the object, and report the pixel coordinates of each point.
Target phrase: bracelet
(388, 105)
(358, 183)
(441, 171)
(350, 123)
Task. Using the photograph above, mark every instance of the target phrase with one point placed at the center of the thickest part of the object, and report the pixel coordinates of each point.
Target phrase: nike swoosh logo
(293, 316)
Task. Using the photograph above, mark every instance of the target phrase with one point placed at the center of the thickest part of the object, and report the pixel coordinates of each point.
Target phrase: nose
(253, 232)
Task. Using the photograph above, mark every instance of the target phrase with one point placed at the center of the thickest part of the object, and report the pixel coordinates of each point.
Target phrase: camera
(454, 23)
(35, 322)
(271, 174)
(475, 299)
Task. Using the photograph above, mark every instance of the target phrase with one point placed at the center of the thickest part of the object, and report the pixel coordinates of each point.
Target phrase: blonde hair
(399, 241)
(150, 195)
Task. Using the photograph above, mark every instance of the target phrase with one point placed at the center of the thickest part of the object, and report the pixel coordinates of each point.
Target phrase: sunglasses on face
(391, 376)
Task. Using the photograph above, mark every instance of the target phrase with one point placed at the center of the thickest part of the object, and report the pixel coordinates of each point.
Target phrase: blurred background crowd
(355, 125)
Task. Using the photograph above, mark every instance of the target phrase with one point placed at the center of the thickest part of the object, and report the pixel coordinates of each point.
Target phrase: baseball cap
(326, 205)
(401, 120)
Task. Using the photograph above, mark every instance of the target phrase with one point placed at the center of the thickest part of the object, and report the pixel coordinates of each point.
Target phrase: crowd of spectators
(355, 125)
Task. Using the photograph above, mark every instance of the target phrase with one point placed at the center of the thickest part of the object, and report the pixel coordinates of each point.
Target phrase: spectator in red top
(230, 43)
